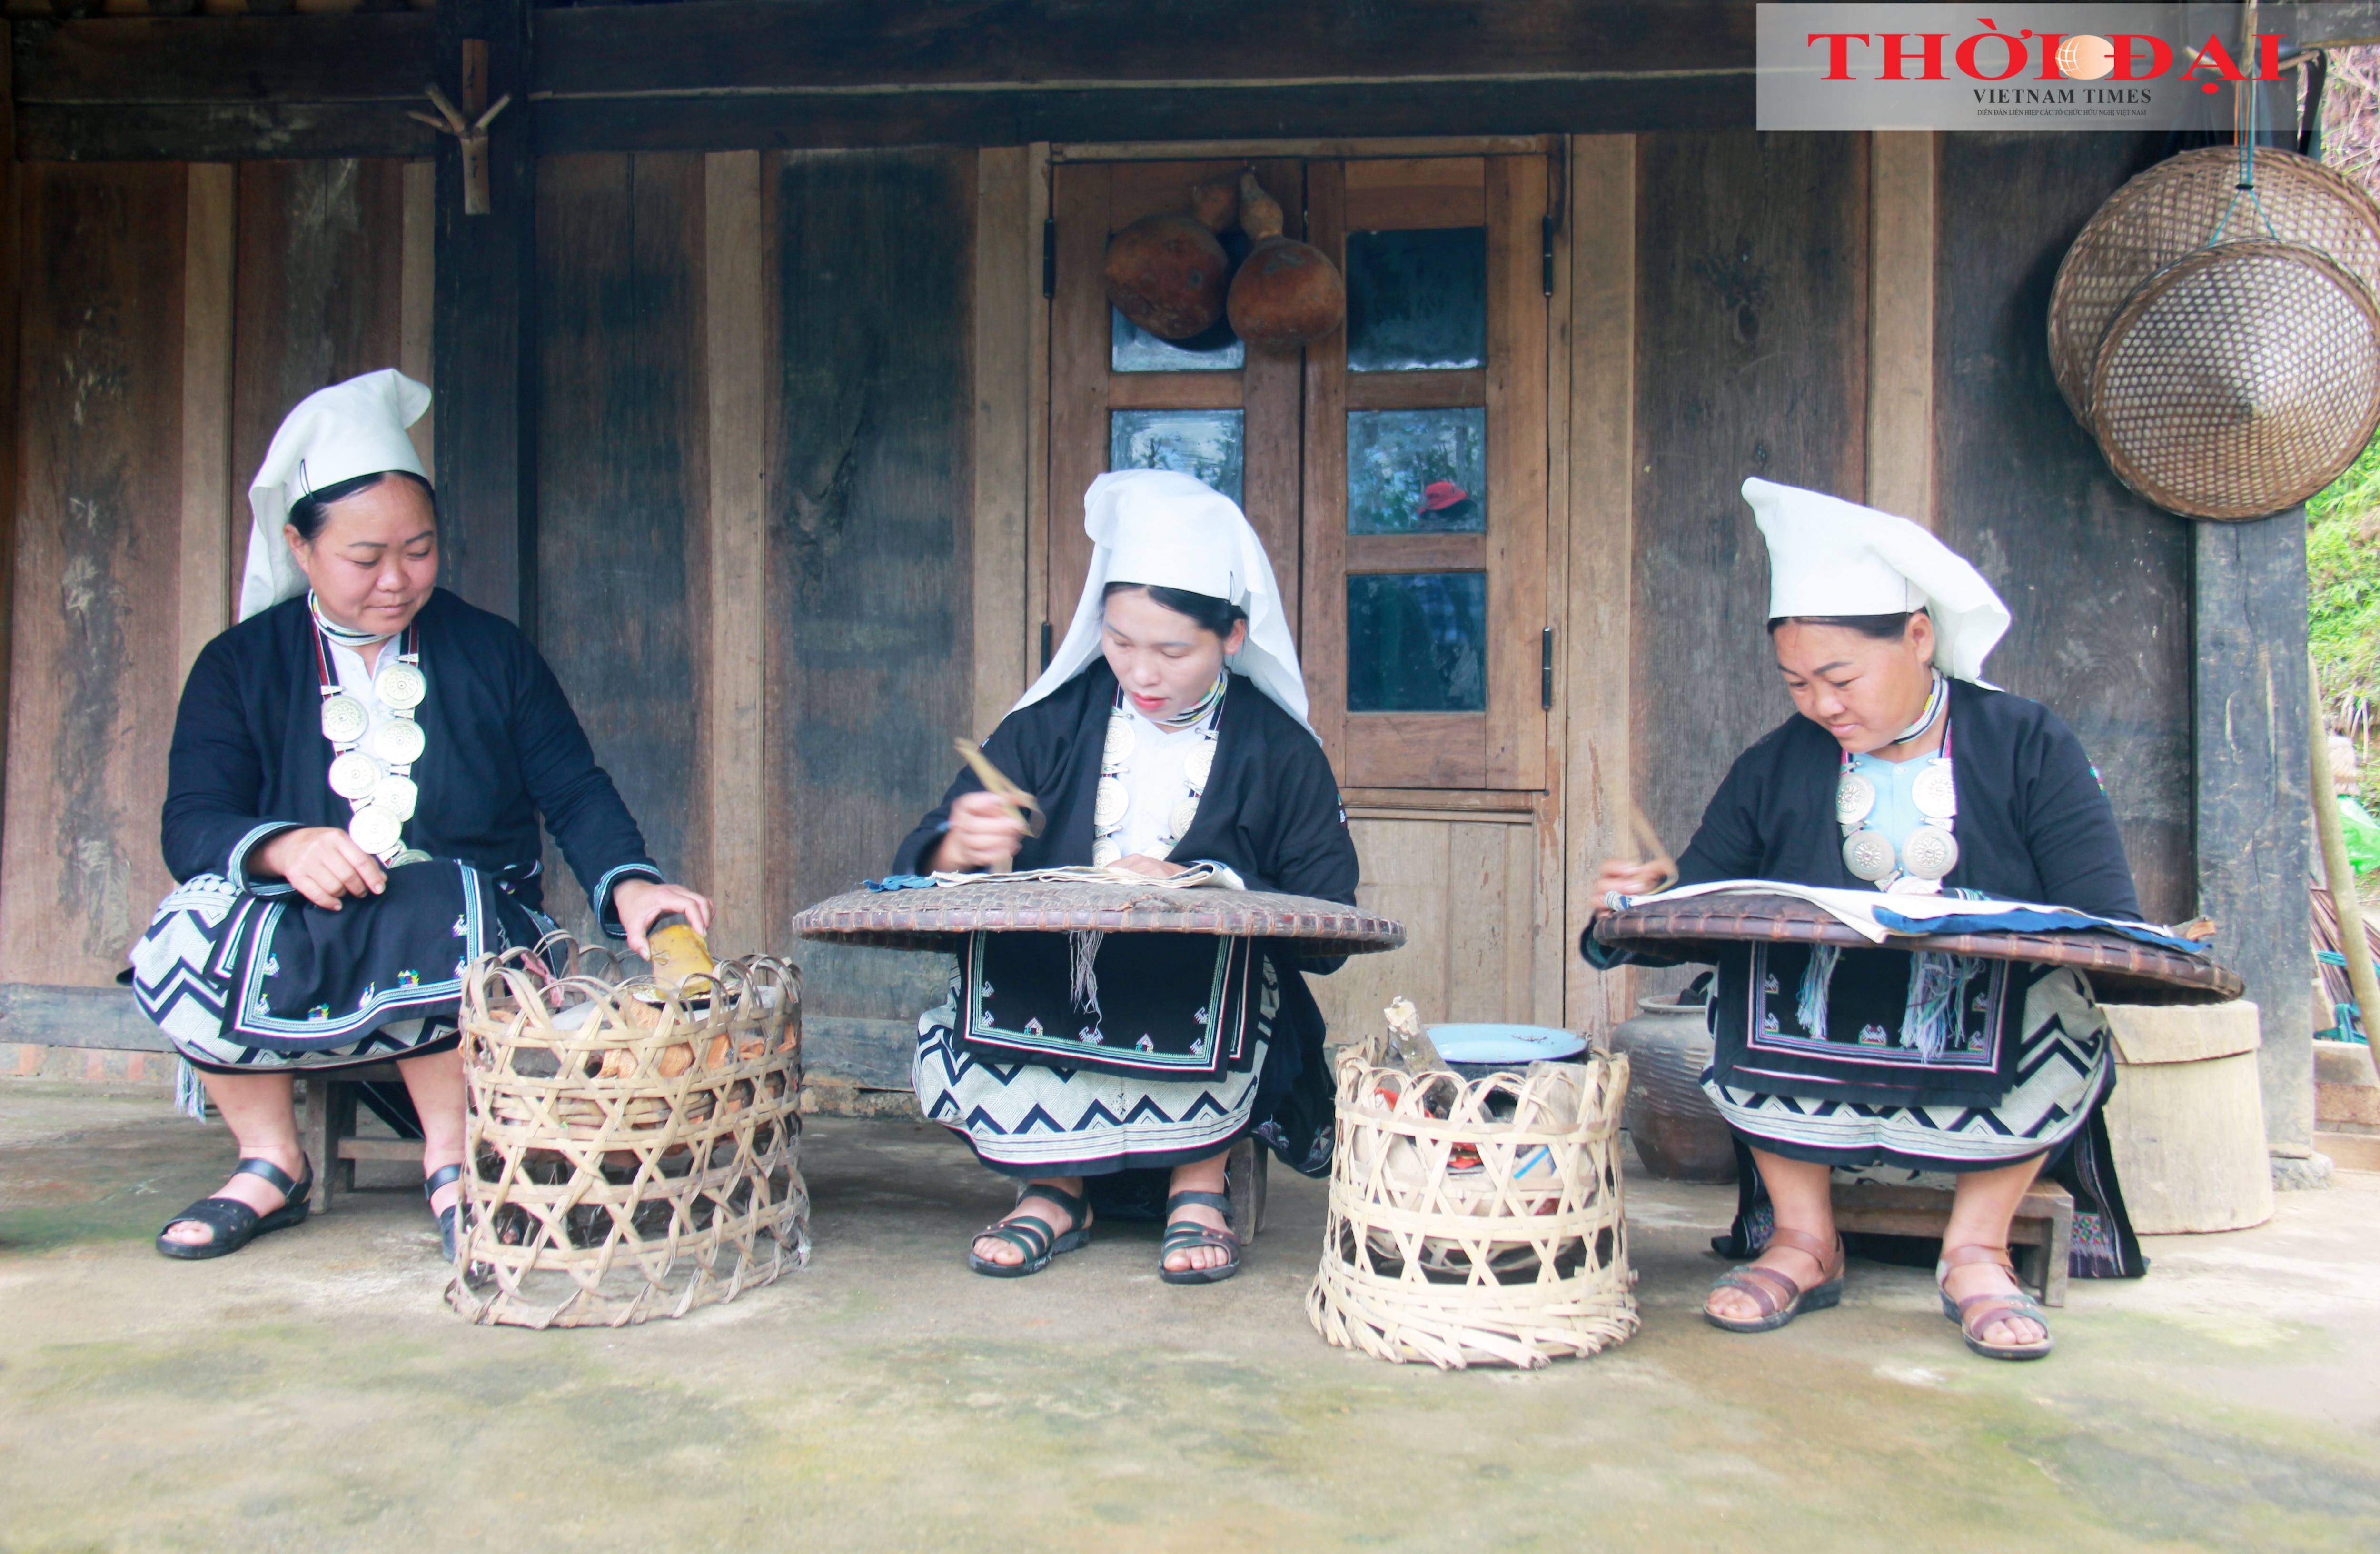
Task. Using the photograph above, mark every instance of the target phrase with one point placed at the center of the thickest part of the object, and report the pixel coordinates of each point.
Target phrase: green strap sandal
(1190, 1236)
(1033, 1236)
(1978, 1312)
(236, 1224)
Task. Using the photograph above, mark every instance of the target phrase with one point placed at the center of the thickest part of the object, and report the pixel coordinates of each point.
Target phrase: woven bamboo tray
(2172, 209)
(2122, 970)
(935, 919)
(1464, 1238)
(634, 1153)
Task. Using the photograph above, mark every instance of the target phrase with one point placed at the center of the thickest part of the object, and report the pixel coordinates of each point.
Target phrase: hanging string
(2243, 137)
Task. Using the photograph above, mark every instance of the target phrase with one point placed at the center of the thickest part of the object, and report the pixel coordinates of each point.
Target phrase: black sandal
(235, 1223)
(450, 1219)
(1033, 1235)
(1191, 1237)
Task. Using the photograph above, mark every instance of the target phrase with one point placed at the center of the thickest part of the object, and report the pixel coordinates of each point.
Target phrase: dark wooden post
(2254, 810)
(486, 474)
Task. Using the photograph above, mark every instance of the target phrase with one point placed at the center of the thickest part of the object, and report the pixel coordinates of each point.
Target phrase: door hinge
(1049, 257)
(1546, 671)
(1546, 251)
(1046, 645)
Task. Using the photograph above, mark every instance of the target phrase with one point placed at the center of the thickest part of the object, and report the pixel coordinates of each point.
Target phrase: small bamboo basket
(1475, 1221)
(634, 1147)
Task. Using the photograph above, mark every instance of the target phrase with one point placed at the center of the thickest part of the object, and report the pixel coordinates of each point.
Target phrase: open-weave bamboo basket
(2173, 208)
(1519, 1260)
(634, 1152)
(2239, 380)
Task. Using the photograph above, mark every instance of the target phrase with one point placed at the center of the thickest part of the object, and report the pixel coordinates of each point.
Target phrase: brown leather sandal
(1780, 1299)
(1977, 1312)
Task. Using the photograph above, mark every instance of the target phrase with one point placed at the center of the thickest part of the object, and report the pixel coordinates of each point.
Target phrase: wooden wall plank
(1404, 865)
(736, 307)
(1751, 300)
(870, 565)
(1078, 373)
(1595, 679)
(2098, 580)
(1036, 431)
(209, 506)
(418, 291)
(1007, 292)
(1901, 327)
(1516, 399)
(11, 429)
(318, 289)
(97, 598)
(624, 573)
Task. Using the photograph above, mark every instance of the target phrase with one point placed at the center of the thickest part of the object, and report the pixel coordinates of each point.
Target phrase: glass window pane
(1416, 300)
(1417, 471)
(1417, 642)
(1202, 443)
(1134, 350)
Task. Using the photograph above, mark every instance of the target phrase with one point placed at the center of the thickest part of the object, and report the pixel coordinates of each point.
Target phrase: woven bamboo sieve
(2239, 380)
(1518, 1260)
(632, 1155)
(2173, 208)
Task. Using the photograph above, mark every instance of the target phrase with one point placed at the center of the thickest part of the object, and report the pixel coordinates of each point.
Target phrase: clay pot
(1287, 294)
(1168, 274)
(1680, 1135)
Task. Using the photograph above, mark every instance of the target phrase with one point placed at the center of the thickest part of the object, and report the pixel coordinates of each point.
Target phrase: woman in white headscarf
(358, 772)
(1902, 771)
(1169, 728)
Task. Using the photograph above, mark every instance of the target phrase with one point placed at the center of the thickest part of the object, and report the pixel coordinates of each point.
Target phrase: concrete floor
(313, 1392)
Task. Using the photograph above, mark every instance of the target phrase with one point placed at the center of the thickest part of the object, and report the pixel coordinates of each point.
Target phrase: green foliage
(2343, 605)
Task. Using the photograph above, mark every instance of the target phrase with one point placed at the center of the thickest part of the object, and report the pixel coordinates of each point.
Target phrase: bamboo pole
(2339, 872)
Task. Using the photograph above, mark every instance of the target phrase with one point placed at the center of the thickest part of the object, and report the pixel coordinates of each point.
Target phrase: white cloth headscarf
(350, 428)
(1162, 530)
(1831, 557)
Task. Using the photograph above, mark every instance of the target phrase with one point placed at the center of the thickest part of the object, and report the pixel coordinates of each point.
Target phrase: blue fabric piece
(902, 882)
(2034, 920)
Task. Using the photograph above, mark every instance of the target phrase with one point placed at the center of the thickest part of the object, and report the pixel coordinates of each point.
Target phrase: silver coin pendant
(400, 687)
(398, 742)
(375, 829)
(354, 774)
(1119, 746)
(1930, 852)
(1177, 820)
(343, 719)
(1108, 804)
(1867, 854)
(1199, 764)
(411, 854)
(1935, 791)
(1104, 852)
(396, 795)
(1855, 799)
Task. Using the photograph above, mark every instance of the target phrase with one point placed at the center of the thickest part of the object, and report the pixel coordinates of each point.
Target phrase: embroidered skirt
(1027, 1118)
(272, 984)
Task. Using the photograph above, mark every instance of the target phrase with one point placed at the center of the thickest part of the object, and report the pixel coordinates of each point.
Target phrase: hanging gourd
(1167, 274)
(1287, 294)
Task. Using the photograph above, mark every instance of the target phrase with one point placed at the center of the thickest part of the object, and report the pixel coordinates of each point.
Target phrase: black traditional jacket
(248, 758)
(1271, 812)
(2033, 824)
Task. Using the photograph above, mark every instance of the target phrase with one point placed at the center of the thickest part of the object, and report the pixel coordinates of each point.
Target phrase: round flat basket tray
(632, 1150)
(2239, 380)
(2174, 208)
(935, 919)
(2121, 970)
(1475, 1221)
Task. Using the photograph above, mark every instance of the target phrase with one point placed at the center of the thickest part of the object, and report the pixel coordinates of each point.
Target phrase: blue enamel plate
(1505, 1044)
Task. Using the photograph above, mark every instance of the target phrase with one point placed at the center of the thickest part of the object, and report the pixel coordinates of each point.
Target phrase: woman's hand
(1626, 877)
(322, 863)
(638, 902)
(983, 834)
(1141, 863)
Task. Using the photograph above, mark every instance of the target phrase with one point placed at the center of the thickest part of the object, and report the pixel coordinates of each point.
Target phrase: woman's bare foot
(1802, 1268)
(1198, 1176)
(1049, 1211)
(251, 1190)
(2011, 1332)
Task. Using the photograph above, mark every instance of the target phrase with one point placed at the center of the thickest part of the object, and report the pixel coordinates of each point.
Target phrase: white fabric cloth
(1831, 557)
(1160, 528)
(350, 428)
(1153, 780)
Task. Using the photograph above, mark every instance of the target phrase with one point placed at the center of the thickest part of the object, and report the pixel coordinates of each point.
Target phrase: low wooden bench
(2041, 1239)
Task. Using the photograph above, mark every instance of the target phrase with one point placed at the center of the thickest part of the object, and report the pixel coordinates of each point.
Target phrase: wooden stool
(2041, 1238)
(326, 1130)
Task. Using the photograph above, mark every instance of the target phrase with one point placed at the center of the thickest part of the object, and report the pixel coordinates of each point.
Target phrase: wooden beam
(1901, 327)
(484, 364)
(2252, 803)
(735, 309)
(1595, 645)
(418, 299)
(12, 429)
(207, 507)
(1007, 295)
